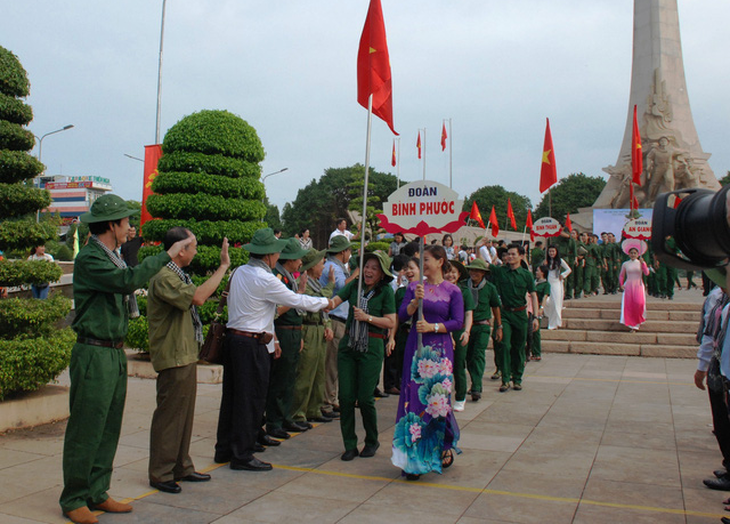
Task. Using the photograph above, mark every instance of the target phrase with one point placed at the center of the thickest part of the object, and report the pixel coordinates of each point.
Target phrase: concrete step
(628, 337)
(650, 326)
(603, 348)
(614, 302)
(612, 313)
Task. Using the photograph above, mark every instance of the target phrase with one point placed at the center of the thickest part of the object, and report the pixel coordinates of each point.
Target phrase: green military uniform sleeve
(468, 299)
(494, 300)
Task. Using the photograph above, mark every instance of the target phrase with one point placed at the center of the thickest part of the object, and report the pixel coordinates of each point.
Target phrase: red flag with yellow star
(568, 223)
(476, 215)
(494, 223)
(444, 136)
(548, 171)
(152, 155)
(418, 145)
(373, 66)
(511, 214)
(637, 160)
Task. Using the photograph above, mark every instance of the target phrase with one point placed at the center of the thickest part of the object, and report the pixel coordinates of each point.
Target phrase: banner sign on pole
(638, 228)
(423, 207)
(547, 227)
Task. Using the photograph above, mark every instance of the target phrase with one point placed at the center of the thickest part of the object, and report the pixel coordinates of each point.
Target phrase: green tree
(725, 180)
(32, 350)
(323, 201)
(571, 193)
(497, 196)
(272, 218)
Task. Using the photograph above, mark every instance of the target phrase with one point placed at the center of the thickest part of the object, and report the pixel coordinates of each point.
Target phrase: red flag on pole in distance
(152, 155)
(494, 223)
(511, 214)
(392, 162)
(373, 66)
(568, 223)
(476, 215)
(528, 224)
(548, 171)
(444, 136)
(637, 161)
(418, 144)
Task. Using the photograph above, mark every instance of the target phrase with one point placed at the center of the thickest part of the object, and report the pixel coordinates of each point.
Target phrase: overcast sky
(288, 67)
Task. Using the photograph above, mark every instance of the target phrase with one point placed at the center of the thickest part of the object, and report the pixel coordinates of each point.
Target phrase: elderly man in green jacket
(104, 297)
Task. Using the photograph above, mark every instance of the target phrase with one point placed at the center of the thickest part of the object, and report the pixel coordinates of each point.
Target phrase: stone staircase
(591, 325)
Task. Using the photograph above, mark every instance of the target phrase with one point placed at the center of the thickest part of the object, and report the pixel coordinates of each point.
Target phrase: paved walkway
(591, 439)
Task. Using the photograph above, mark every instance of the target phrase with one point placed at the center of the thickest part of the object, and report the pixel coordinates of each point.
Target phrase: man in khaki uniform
(175, 334)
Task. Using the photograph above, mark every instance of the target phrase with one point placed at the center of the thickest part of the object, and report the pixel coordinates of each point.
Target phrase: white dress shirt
(346, 233)
(253, 298)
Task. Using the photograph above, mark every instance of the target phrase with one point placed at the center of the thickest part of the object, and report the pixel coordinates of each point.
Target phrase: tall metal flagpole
(423, 147)
(364, 199)
(451, 151)
(397, 169)
(159, 76)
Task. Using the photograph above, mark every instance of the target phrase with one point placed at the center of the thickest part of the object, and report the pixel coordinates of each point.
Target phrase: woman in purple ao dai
(633, 302)
(426, 432)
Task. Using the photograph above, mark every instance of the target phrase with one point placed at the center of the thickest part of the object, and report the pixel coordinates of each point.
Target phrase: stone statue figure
(659, 169)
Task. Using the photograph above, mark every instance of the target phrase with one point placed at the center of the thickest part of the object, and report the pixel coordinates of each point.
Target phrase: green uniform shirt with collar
(594, 255)
(487, 299)
(469, 304)
(542, 289)
(290, 317)
(512, 284)
(99, 289)
(567, 247)
(382, 303)
(171, 331)
(318, 317)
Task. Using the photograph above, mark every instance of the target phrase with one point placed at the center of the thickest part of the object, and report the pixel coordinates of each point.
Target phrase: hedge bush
(29, 317)
(206, 231)
(24, 234)
(18, 199)
(28, 364)
(202, 206)
(14, 137)
(14, 110)
(18, 272)
(212, 164)
(137, 336)
(215, 132)
(16, 166)
(207, 260)
(13, 78)
(180, 182)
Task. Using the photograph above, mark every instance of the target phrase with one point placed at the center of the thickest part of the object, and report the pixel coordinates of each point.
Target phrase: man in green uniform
(104, 296)
(288, 326)
(316, 332)
(513, 284)
(580, 264)
(537, 256)
(614, 263)
(567, 246)
(591, 275)
(175, 334)
(460, 336)
(486, 301)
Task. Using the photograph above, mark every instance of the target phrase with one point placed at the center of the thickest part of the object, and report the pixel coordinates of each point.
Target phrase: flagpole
(423, 147)
(397, 169)
(365, 199)
(420, 281)
(524, 232)
(451, 150)
(550, 204)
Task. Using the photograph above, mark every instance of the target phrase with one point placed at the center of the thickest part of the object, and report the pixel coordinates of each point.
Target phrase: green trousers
(671, 280)
(578, 280)
(476, 357)
(570, 284)
(358, 374)
(514, 338)
(535, 338)
(590, 279)
(309, 382)
(97, 395)
(281, 381)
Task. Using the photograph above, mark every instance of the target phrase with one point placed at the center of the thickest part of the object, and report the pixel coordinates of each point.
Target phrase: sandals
(447, 458)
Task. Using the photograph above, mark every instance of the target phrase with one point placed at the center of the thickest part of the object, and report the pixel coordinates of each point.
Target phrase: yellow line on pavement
(530, 496)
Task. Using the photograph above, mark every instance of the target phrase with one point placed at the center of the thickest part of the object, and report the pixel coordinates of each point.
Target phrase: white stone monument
(673, 156)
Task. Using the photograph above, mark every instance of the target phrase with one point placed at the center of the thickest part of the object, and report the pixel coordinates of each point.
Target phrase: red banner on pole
(152, 155)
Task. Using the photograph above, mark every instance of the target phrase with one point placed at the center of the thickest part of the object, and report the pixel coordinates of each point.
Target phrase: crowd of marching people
(313, 338)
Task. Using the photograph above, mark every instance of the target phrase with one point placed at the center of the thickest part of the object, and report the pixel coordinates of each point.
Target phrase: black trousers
(721, 424)
(246, 369)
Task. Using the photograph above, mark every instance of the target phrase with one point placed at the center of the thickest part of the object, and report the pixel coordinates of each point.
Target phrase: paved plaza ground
(591, 439)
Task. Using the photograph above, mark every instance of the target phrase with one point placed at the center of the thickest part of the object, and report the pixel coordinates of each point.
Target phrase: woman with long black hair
(558, 269)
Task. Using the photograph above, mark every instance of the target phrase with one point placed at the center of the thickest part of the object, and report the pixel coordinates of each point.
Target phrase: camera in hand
(698, 226)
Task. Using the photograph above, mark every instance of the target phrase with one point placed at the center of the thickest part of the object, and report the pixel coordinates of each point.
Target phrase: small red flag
(476, 215)
(511, 214)
(568, 223)
(677, 201)
(418, 144)
(528, 224)
(152, 155)
(637, 161)
(392, 162)
(494, 223)
(444, 136)
(548, 171)
(373, 66)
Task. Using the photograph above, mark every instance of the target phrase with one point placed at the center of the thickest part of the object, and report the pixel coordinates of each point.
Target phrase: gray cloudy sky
(288, 67)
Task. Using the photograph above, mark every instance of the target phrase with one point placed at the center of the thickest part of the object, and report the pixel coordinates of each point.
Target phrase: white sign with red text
(546, 227)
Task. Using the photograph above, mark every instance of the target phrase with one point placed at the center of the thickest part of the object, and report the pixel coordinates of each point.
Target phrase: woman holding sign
(426, 432)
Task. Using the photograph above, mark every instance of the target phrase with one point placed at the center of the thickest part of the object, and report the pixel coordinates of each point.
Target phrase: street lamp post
(40, 141)
(263, 178)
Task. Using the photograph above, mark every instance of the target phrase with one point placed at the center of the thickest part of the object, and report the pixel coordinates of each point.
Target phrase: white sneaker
(459, 405)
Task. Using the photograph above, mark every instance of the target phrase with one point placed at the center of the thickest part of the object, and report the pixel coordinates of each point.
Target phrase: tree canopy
(571, 193)
(497, 196)
(323, 201)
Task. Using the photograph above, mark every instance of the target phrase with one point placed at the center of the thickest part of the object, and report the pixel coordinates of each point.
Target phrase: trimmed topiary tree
(32, 350)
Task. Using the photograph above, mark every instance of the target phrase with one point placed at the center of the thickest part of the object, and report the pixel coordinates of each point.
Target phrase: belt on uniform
(291, 328)
(515, 309)
(262, 337)
(481, 322)
(338, 319)
(101, 343)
